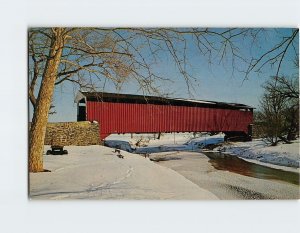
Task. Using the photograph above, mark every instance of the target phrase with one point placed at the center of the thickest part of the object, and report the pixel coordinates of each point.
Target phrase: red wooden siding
(150, 118)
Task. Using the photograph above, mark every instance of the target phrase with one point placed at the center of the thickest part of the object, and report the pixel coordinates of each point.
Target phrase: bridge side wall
(150, 118)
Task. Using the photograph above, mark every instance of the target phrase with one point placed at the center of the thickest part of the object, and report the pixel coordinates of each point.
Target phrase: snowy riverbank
(95, 172)
(257, 150)
(282, 154)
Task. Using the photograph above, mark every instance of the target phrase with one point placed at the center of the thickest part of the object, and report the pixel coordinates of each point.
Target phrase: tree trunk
(40, 116)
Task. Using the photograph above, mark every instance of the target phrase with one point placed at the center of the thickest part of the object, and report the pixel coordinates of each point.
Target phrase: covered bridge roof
(141, 99)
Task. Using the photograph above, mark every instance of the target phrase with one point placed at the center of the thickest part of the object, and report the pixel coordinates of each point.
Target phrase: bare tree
(279, 115)
(276, 54)
(88, 56)
(288, 90)
(271, 117)
(43, 102)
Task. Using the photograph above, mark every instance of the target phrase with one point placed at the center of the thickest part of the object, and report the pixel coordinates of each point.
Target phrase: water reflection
(234, 164)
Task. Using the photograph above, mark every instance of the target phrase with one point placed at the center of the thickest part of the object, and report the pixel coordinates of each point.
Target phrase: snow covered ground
(95, 172)
(282, 154)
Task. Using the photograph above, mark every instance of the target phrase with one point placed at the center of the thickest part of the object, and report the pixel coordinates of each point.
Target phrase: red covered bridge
(123, 113)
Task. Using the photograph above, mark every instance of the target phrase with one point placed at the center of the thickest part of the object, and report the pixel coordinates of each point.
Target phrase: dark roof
(129, 98)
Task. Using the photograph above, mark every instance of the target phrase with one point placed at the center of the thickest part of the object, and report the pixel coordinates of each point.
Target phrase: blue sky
(214, 82)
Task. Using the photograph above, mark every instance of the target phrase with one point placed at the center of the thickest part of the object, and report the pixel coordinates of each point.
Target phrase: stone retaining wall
(81, 133)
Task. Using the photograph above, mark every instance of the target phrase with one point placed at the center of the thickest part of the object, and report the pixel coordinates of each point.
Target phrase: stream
(234, 164)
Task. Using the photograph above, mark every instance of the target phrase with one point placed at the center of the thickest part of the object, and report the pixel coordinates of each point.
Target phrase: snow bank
(282, 154)
(168, 142)
(119, 144)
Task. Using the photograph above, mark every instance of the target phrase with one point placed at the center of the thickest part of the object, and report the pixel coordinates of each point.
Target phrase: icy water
(234, 164)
